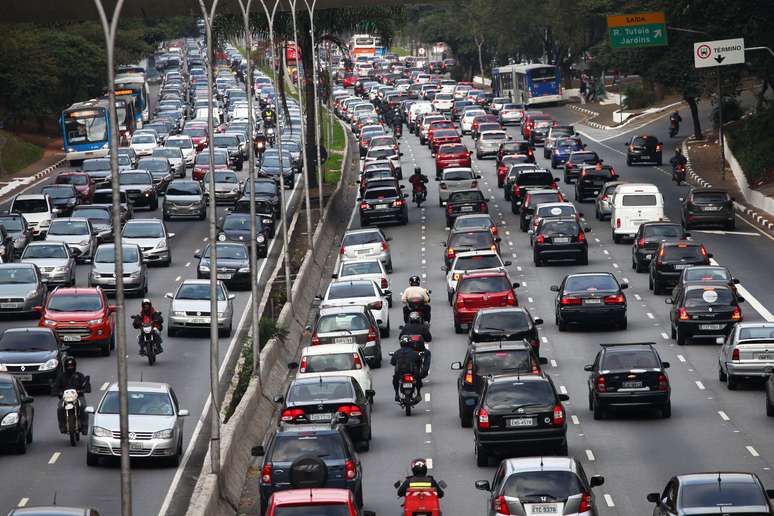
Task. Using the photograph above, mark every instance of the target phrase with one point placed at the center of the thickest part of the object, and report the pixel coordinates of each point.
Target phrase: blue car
(562, 150)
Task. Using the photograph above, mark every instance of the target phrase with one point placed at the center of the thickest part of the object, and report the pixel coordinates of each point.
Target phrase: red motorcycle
(422, 501)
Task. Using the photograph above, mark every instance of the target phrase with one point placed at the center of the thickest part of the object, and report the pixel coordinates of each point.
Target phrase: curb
(597, 125)
(18, 184)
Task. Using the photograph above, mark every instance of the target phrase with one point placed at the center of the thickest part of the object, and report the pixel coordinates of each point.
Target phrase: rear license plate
(224, 275)
(466, 208)
(596, 192)
(712, 208)
(24, 377)
(648, 256)
(711, 326)
(9, 306)
(343, 340)
(521, 421)
(200, 320)
(631, 385)
(135, 446)
(681, 266)
(763, 356)
(381, 206)
(408, 385)
(364, 251)
(592, 301)
(542, 508)
(562, 240)
(325, 416)
(71, 338)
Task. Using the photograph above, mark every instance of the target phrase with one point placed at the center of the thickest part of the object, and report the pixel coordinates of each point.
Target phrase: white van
(422, 107)
(632, 204)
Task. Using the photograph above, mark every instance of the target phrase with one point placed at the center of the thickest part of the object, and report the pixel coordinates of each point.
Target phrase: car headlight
(98, 431)
(135, 274)
(83, 242)
(268, 221)
(60, 270)
(177, 313)
(3, 368)
(10, 419)
(260, 239)
(95, 322)
(164, 434)
(204, 268)
(44, 222)
(162, 244)
(244, 269)
(49, 322)
(49, 365)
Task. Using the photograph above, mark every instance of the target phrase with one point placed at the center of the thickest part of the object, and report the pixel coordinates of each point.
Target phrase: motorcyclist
(149, 315)
(419, 479)
(268, 116)
(397, 118)
(415, 294)
(72, 379)
(418, 181)
(406, 360)
(675, 119)
(678, 160)
(415, 326)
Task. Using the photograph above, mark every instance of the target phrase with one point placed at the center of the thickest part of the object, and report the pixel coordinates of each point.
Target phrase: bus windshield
(85, 126)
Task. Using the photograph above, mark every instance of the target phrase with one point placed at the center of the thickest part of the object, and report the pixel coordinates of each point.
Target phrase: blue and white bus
(86, 130)
(138, 86)
(528, 84)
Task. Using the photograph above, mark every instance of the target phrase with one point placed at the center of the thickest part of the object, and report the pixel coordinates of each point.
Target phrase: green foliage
(16, 154)
(750, 140)
(732, 110)
(637, 97)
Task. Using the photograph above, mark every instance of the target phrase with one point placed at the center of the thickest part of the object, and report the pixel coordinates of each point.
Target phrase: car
(440, 137)
(475, 221)
(140, 188)
(506, 324)
(644, 148)
(175, 157)
(671, 259)
(425, 126)
(540, 125)
(101, 218)
(263, 209)
(365, 269)
(336, 360)
(470, 261)
(602, 205)
(592, 180)
(16, 227)
(528, 179)
(716, 492)
(129, 152)
(83, 183)
(466, 120)
(541, 485)
(451, 155)
(531, 200)
(745, 353)
(21, 288)
(384, 204)
(561, 150)
(189, 307)
(38, 211)
(508, 172)
(476, 128)
(265, 190)
(271, 165)
(347, 325)
(648, 239)
(534, 119)
(287, 503)
(77, 233)
(202, 163)
(81, 317)
(50, 510)
(488, 143)
(103, 274)
(160, 170)
(152, 237)
(289, 442)
(511, 113)
(230, 144)
(479, 290)
(54, 260)
(232, 263)
(469, 240)
(63, 197)
(186, 145)
(707, 207)
(703, 310)
(124, 162)
(388, 153)
(590, 298)
(235, 227)
(155, 424)
(555, 133)
(560, 239)
(360, 292)
(572, 167)
(552, 210)
(99, 170)
(712, 273)
(539, 421)
(143, 143)
(227, 187)
(17, 416)
(463, 202)
(520, 147)
(486, 359)
(32, 355)
(184, 198)
(456, 179)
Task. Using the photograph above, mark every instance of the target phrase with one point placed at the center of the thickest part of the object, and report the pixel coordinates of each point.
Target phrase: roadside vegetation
(750, 140)
(16, 154)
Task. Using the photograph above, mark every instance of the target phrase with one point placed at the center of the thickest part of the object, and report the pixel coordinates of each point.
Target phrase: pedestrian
(583, 89)
(592, 87)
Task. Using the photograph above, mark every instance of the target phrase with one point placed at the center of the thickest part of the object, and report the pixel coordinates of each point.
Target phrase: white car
(454, 179)
(443, 102)
(421, 107)
(387, 153)
(38, 211)
(478, 261)
(366, 269)
(360, 292)
(336, 360)
(358, 244)
(466, 121)
(143, 144)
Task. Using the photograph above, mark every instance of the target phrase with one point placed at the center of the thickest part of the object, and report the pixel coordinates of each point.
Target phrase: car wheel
(680, 337)
(21, 447)
(385, 332)
(363, 222)
(561, 324)
(91, 459)
(673, 332)
(171, 332)
(584, 260)
(599, 412)
(731, 382)
(514, 208)
(722, 377)
(377, 364)
(225, 333)
(458, 327)
(628, 161)
(567, 180)
(165, 215)
(482, 457)
(591, 402)
(731, 226)
(466, 417)
(104, 348)
(638, 266)
(363, 446)
(666, 410)
(769, 408)
(174, 461)
(597, 215)
(203, 214)
(523, 224)
(562, 449)
(154, 205)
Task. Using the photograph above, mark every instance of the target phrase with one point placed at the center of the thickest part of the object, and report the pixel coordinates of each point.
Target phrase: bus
(86, 130)
(363, 45)
(139, 87)
(126, 94)
(126, 116)
(528, 84)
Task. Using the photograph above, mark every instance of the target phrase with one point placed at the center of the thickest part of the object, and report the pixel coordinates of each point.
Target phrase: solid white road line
(54, 458)
(753, 451)
(590, 456)
(751, 300)
(723, 416)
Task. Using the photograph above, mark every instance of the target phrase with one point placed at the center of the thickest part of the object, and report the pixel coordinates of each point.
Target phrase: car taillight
(541, 239)
(581, 236)
(397, 203)
(304, 364)
(315, 340)
(483, 419)
(618, 222)
(469, 376)
(483, 207)
(371, 334)
(474, 184)
(601, 385)
(493, 229)
(736, 315)
(493, 247)
(385, 246)
(604, 197)
(554, 187)
(631, 148)
(663, 382)
(356, 359)
(266, 473)
(376, 305)
(558, 419)
(641, 242)
(500, 506)
(617, 299)
(516, 190)
(735, 354)
(350, 410)
(450, 252)
(385, 284)
(449, 209)
(364, 206)
(350, 468)
(683, 314)
(585, 503)
(703, 251)
(291, 414)
(570, 301)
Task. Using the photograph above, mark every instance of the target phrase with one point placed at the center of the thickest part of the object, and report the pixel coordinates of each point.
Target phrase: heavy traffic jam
(567, 290)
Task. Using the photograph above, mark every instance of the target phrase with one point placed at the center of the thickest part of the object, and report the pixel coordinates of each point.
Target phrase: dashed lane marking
(428, 428)
(104, 386)
(590, 455)
(681, 358)
(54, 457)
(609, 500)
(700, 385)
(427, 397)
(650, 315)
(563, 389)
(637, 297)
(530, 300)
(188, 264)
(723, 416)
(575, 420)
(753, 451)
(665, 336)
(544, 339)
(553, 363)
(23, 502)
(429, 463)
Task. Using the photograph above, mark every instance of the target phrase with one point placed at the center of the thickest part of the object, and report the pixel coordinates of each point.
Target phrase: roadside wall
(753, 197)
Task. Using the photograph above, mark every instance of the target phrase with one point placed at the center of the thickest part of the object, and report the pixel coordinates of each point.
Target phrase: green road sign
(637, 30)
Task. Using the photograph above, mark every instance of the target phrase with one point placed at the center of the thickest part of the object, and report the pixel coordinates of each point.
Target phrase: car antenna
(54, 502)
(541, 462)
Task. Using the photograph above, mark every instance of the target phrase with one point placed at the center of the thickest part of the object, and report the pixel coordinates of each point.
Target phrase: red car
(443, 136)
(481, 290)
(198, 135)
(451, 155)
(529, 123)
(482, 119)
(350, 80)
(336, 501)
(81, 317)
(439, 124)
(202, 163)
(83, 183)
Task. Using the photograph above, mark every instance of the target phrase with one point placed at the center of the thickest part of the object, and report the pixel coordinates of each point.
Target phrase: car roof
(142, 387)
(50, 510)
(505, 345)
(525, 464)
(330, 349)
(349, 309)
(296, 497)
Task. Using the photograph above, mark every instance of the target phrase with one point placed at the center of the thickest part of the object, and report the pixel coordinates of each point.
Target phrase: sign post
(637, 30)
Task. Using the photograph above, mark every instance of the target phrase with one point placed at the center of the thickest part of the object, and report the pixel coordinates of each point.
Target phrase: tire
(628, 161)
(731, 382)
(616, 238)
(769, 409)
(673, 332)
(21, 447)
(591, 402)
(407, 409)
(638, 266)
(151, 355)
(363, 222)
(656, 287)
(597, 215)
(171, 332)
(562, 449)
(385, 332)
(478, 155)
(599, 412)
(584, 260)
(731, 226)
(466, 418)
(623, 324)
(174, 461)
(104, 349)
(225, 333)
(536, 258)
(378, 363)
(458, 328)
(523, 224)
(203, 215)
(165, 216)
(154, 205)
(666, 410)
(91, 459)
(514, 208)
(73, 440)
(680, 337)
(482, 457)
(364, 445)
(29, 435)
(722, 377)
(561, 324)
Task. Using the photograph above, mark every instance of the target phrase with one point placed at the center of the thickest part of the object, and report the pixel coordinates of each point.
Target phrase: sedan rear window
(466, 197)
(534, 179)
(671, 231)
(679, 252)
(288, 448)
(470, 263)
(560, 227)
(370, 237)
(347, 290)
(503, 322)
(590, 282)
(706, 274)
(330, 363)
(535, 199)
(558, 485)
(364, 267)
(493, 362)
(342, 322)
(320, 391)
(730, 495)
(484, 285)
(517, 393)
(328, 509)
(627, 359)
(452, 149)
(457, 175)
(710, 197)
(476, 239)
(381, 193)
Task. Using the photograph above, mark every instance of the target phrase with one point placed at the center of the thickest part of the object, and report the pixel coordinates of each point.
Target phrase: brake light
(735, 354)
(604, 197)
(558, 419)
(581, 236)
(540, 239)
(350, 468)
(474, 184)
(493, 247)
(385, 247)
(350, 410)
(641, 242)
(618, 222)
(397, 203)
(290, 415)
(516, 190)
(585, 503)
(511, 299)
(450, 253)
(377, 305)
(554, 187)
(385, 284)
(570, 301)
(266, 473)
(535, 367)
(483, 207)
(703, 250)
(364, 206)
(449, 209)
(304, 364)
(663, 382)
(631, 148)
(736, 315)
(601, 385)
(469, 377)
(315, 340)
(483, 419)
(500, 505)
(371, 334)
(357, 361)
(617, 299)
(683, 314)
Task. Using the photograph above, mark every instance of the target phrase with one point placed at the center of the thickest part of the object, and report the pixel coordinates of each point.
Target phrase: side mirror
(682, 199)
(740, 299)
(478, 176)
(405, 196)
(516, 285)
(257, 451)
(587, 229)
(278, 399)
(669, 301)
(112, 309)
(90, 410)
(483, 485)
(334, 276)
(198, 255)
(652, 497)
(507, 263)
(735, 281)
(168, 295)
(588, 367)
(318, 298)
(292, 366)
(498, 240)
(370, 393)
(27, 399)
(624, 285)
(182, 412)
(709, 255)
(231, 296)
(543, 360)
(170, 235)
(396, 485)
(537, 321)
(666, 365)
(596, 480)
(444, 268)
(456, 366)
(554, 288)
(686, 234)
(563, 397)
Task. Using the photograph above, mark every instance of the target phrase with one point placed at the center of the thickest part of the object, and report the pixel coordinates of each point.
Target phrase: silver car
(453, 179)
(190, 307)
(175, 157)
(54, 260)
(603, 206)
(227, 186)
(21, 288)
(155, 424)
(103, 269)
(366, 243)
(747, 352)
(152, 237)
(488, 143)
(77, 233)
(184, 198)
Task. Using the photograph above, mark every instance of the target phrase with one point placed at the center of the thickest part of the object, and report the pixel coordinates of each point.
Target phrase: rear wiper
(528, 405)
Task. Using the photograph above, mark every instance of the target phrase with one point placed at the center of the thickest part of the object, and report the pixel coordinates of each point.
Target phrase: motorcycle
(419, 307)
(678, 174)
(398, 131)
(149, 341)
(72, 413)
(419, 196)
(421, 500)
(407, 396)
(270, 136)
(674, 127)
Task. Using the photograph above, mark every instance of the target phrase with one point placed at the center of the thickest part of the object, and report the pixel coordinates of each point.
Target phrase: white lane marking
(518, 268)
(523, 283)
(563, 389)
(723, 416)
(650, 315)
(428, 428)
(751, 300)
(427, 397)
(544, 339)
(553, 363)
(178, 279)
(681, 358)
(753, 451)
(23, 502)
(575, 420)
(530, 300)
(188, 264)
(664, 336)
(104, 386)
(596, 240)
(609, 500)
(429, 463)
(605, 251)
(54, 458)
(700, 385)
(615, 265)
(637, 297)
(590, 455)
(717, 232)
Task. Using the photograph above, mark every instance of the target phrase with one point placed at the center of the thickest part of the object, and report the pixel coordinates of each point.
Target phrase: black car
(263, 209)
(99, 169)
(383, 205)
(140, 188)
(591, 298)
(104, 197)
(235, 227)
(505, 324)
(266, 190)
(516, 147)
(483, 359)
(33, 355)
(17, 228)
(708, 206)
(229, 143)
(291, 442)
(271, 166)
(628, 375)
(515, 164)
(530, 202)
(713, 493)
(160, 170)
(572, 167)
(649, 236)
(317, 399)
(671, 259)
(469, 240)
(519, 412)
(16, 413)
(710, 273)
(592, 179)
(101, 219)
(704, 310)
(643, 149)
(63, 197)
(463, 202)
(232, 264)
(539, 179)
(560, 239)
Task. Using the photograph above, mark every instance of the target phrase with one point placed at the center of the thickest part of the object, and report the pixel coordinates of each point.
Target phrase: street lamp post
(310, 9)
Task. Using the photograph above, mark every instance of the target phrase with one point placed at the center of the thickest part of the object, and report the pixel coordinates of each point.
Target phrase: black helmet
(419, 467)
(414, 281)
(678, 151)
(414, 317)
(417, 170)
(405, 341)
(70, 365)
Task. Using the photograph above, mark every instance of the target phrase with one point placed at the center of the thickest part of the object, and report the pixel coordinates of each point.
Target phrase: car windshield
(107, 254)
(639, 200)
(626, 359)
(484, 285)
(364, 267)
(144, 138)
(731, 494)
(458, 175)
(12, 224)
(93, 213)
(288, 448)
(554, 485)
(68, 228)
(493, 362)
(317, 391)
(559, 227)
(184, 188)
(347, 290)
(470, 263)
(140, 404)
(143, 230)
(197, 292)
(65, 302)
(29, 206)
(665, 231)
(710, 197)
(134, 178)
(28, 341)
(327, 509)
(330, 363)
(590, 283)
(228, 252)
(473, 196)
(342, 322)
(59, 192)
(682, 252)
(8, 397)
(476, 239)
(45, 251)
(708, 296)
(517, 393)
(502, 322)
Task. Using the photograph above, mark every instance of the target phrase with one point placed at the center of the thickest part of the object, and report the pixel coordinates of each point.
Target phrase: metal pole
(316, 103)
(760, 48)
(109, 28)
(254, 299)
(213, 238)
(720, 130)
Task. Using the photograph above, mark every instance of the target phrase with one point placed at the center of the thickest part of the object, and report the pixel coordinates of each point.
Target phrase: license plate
(763, 356)
(135, 446)
(466, 208)
(200, 320)
(644, 156)
(408, 385)
(364, 251)
(711, 326)
(343, 340)
(648, 256)
(71, 338)
(224, 275)
(24, 377)
(681, 266)
(9, 306)
(381, 206)
(521, 421)
(542, 508)
(712, 208)
(596, 192)
(631, 385)
(325, 416)
(592, 301)
(562, 240)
